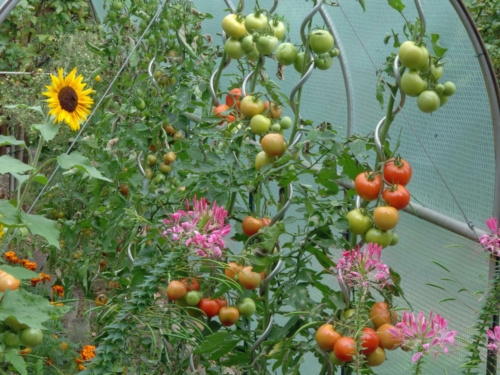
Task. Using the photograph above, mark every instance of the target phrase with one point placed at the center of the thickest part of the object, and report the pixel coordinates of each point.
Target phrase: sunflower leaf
(10, 140)
(77, 160)
(43, 227)
(48, 130)
(8, 165)
(9, 215)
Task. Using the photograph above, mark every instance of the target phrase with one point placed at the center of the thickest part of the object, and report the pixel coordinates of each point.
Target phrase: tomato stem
(217, 76)
(256, 73)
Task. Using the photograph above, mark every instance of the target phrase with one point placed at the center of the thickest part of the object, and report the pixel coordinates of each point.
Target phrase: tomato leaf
(218, 344)
(20, 273)
(16, 360)
(435, 286)
(397, 4)
(9, 215)
(447, 299)
(438, 50)
(379, 93)
(440, 265)
(43, 227)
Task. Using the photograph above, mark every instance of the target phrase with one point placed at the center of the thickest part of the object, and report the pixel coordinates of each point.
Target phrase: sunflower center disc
(68, 99)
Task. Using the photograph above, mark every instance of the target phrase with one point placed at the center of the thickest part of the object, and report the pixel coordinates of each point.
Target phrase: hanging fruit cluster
(377, 226)
(421, 80)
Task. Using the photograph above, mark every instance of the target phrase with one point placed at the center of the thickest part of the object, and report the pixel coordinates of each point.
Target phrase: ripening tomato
(221, 109)
(249, 279)
(263, 159)
(232, 269)
(376, 358)
(233, 25)
(176, 290)
(228, 316)
(367, 185)
(209, 307)
(266, 221)
(369, 340)
(273, 144)
(379, 314)
(234, 96)
(191, 284)
(260, 124)
(222, 302)
(169, 157)
(396, 196)
(385, 218)
(397, 171)
(256, 22)
(8, 282)
(326, 336)
(276, 110)
(101, 300)
(251, 106)
(358, 222)
(251, 225)
(390, 337)
(345, 348)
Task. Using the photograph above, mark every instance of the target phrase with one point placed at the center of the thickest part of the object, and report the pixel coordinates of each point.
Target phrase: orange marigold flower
(35, 281)
(25, 351)
(44, 276)
(57, 304)
(49, 362)
(23, 261)
(87, 352)
(11, 257)
(63, 346)
(59, 290)
(30, 265)
(81, 367)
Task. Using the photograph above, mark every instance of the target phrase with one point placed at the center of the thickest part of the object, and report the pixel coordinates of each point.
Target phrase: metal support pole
(6, 8)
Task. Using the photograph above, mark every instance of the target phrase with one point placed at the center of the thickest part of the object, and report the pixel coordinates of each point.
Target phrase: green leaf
(36, 108)
(10, 140)
(440, 265)
(48, 130)
(438, 50)
(77, 160)
(9, 164)
(397, 4)
(43, 227)
(16, 360)
(9, 215)
(362, 3)
(435, 286)
(21, 304)
(20, 273)
(271, 235)
(447, 299)
(380, 92)
(217, 345)
(41, 179)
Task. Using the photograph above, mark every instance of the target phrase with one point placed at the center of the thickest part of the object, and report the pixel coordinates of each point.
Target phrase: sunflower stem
(32, 175)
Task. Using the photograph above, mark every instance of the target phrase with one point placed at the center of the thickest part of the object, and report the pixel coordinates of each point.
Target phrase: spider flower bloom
(427, 335)
(202, 229)
(491, 242)
(494, 340)
(67, 99)
(362, 267)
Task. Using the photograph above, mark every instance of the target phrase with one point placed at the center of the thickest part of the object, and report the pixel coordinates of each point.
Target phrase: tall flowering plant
(491, 242)
(201, 228)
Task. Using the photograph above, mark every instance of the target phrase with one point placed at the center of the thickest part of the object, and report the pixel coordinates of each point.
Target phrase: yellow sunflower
(68, 101)
(1, 231)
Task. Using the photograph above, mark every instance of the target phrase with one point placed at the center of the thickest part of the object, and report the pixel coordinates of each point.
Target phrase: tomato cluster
(422, 77)
(373, 340)
(187, 293)
(370, 186)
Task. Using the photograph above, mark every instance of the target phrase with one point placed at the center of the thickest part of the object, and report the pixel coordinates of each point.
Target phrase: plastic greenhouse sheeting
(458, 138)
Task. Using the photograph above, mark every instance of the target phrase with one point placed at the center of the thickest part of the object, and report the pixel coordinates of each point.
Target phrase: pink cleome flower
(362, 267)
(491, 242)
(494, 340)
(427, 335)
(201, 229)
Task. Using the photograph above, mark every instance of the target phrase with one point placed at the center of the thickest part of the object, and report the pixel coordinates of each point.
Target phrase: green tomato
(299, 62)
(378, 236)
(152, 159)
(286, 122)
(117, 5)
(233, 27)
(349, 313)
(321, 41)
(234, 49)
(24, 232)
(31, 337)
(428, 101)
(439, 89)
(159, 178)
(395, 239)
(253, 54)
(266, 45)
(449, 88)
(139, 104)
(247, 43)
(335, 361)
(149, 173)
(286, 54)
(443, 100)
(323, 61)
(411, 55)
(165, 168)
(247, 307)
(334, 52)
(13, 323)
(260, 124)
(358, 223)
(193, 298)
(278, 28)
(276, 127)
(412, 84)
(436, 72)
(164, 25)
(10, 339)
(263, 159)
(256, 22)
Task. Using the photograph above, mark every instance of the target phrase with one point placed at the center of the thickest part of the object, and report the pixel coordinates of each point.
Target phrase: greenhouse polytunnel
(249, 187)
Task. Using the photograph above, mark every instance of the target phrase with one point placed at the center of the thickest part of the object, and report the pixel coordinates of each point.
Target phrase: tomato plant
(273, 144)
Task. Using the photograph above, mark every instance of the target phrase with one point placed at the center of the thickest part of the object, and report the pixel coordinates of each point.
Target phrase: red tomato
(249, 279)
(266, 221)
(390, 337)
(251, 225)
(218, 111)
(367, 185)
(232, 269)
(345, 348)
(222, 302)
(396, 196)
(385, 218)
(176, 290)
(273, 144)
(369, 340)
(235, 95)
(193, 284)
(209, 306)
(326, 337)
(397, 171)
(379, 314)
(228, 316)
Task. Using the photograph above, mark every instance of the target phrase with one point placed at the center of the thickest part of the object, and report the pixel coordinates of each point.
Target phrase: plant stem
(32, 175)
(256, 73)
(389, 118)
(217, 76)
